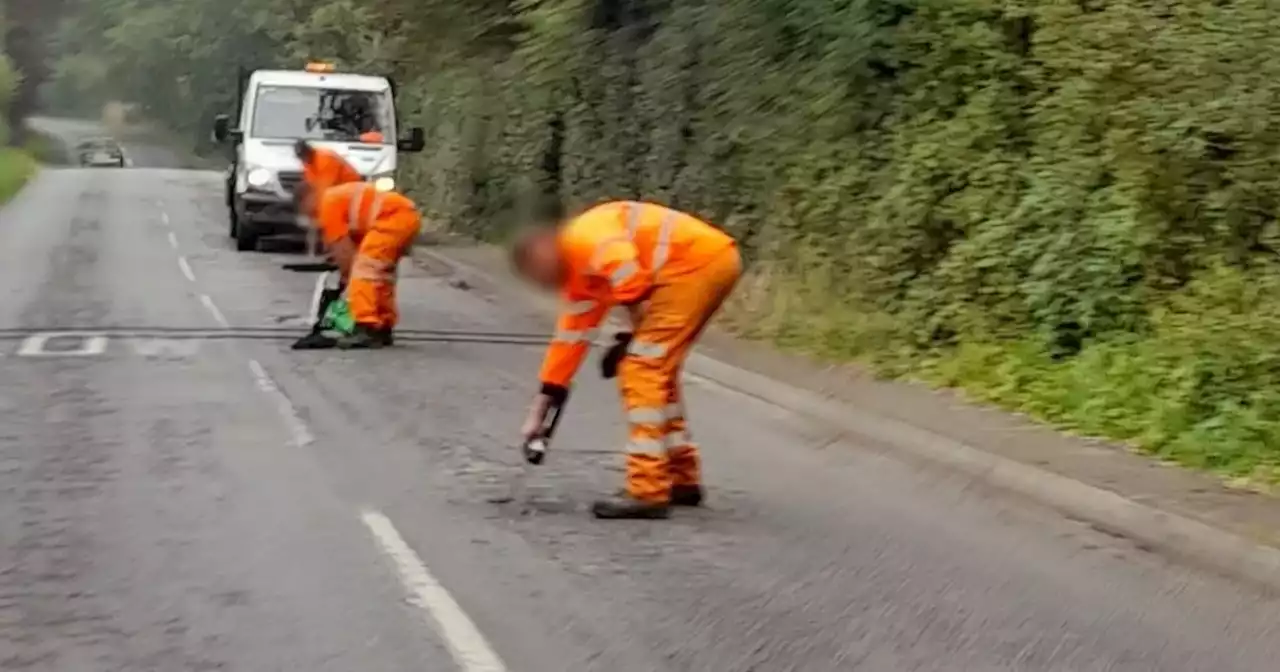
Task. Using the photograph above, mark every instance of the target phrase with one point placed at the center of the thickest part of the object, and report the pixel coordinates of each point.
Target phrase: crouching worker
(672, 272)
(366, 232)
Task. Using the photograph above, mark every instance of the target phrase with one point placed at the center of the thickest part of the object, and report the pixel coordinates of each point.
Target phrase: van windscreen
(338, 115)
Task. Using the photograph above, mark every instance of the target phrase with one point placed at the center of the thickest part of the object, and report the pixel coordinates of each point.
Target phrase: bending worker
(366, 232)
(321, 169)
(672, 271)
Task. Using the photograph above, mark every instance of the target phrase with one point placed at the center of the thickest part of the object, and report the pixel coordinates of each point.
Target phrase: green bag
(337, 317)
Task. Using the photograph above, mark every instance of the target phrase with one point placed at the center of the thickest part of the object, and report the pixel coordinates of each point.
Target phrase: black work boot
(316, 340)
(363, 337)
(387, 336)
(624, 507)
(686, 495)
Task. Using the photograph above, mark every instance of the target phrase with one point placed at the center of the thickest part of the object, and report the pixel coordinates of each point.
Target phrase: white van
(354, 115)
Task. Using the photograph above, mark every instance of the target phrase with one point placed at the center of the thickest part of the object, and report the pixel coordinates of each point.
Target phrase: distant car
(100, 152)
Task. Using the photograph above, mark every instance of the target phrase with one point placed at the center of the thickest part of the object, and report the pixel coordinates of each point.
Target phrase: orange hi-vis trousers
(371, 291)
(661, 452)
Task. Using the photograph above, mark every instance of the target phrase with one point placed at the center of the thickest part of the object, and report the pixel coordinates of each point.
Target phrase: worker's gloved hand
(613, 356)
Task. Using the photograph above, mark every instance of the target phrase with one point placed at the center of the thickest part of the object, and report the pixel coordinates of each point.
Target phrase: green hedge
(1065, 206)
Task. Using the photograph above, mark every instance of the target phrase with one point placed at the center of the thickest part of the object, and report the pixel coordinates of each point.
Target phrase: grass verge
(1201, 388)
(16, 167)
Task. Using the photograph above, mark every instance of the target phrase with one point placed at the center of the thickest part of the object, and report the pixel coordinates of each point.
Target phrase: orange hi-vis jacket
(354, 208)
(327, 169)
(616, 253)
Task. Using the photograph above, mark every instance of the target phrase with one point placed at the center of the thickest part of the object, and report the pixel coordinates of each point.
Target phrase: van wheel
(246, 236)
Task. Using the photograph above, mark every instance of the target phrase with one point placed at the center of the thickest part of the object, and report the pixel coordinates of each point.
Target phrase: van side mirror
(222, 131)
(413, 144)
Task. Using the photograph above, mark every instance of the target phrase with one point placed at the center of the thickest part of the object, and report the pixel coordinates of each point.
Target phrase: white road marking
(186, 269)
(164, 217)
(470, 650)
(90, 345)
(173, 240)
(302, 436)
(213, 309)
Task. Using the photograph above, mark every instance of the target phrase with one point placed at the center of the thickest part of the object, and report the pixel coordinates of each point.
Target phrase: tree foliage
(27, 24)
(1057, 177)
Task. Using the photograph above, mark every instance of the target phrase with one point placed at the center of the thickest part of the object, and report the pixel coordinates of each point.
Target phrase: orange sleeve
(333, 210)
(576, 328)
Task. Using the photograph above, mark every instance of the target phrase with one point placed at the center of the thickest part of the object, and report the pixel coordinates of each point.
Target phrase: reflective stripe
(663, 246)
(661, 249)
(675, 411)
(374, 210)
(353, 209)
(646, 416)
(647, 447)
(623, 273)
(633, 218)
(678, 439)
(574, 335)
(642, 349)
(579, 307)
(354, 221)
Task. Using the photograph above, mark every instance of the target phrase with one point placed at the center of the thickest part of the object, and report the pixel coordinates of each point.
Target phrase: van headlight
(384, 183)
(259, 178)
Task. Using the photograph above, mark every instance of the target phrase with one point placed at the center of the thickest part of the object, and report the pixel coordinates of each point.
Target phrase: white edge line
(302, 436)
(468, 646)
(186, 269)
(173, 240)
(213, 309)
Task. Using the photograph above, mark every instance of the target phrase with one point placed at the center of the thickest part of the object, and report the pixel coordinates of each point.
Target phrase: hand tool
(534, 452)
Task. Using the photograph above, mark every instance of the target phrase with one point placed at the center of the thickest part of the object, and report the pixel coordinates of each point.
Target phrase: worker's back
(353, 208)
(669, 243)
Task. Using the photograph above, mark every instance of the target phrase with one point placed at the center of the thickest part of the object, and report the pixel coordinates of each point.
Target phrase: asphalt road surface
(179, 491)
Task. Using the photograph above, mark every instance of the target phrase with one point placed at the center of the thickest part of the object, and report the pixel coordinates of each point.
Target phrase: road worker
(321, 169)
(366, 232)
(672, 272)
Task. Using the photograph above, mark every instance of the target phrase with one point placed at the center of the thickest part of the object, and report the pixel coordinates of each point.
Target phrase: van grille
(289, 180)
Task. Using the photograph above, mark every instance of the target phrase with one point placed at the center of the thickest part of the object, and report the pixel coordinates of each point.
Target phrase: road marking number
(79, 344)
(71, 345)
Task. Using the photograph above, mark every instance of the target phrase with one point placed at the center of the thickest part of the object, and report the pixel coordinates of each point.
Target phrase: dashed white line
(213, 309)
(470, 650)
(186, 269)
(302, 436)
(164, 217)
(173, 240)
